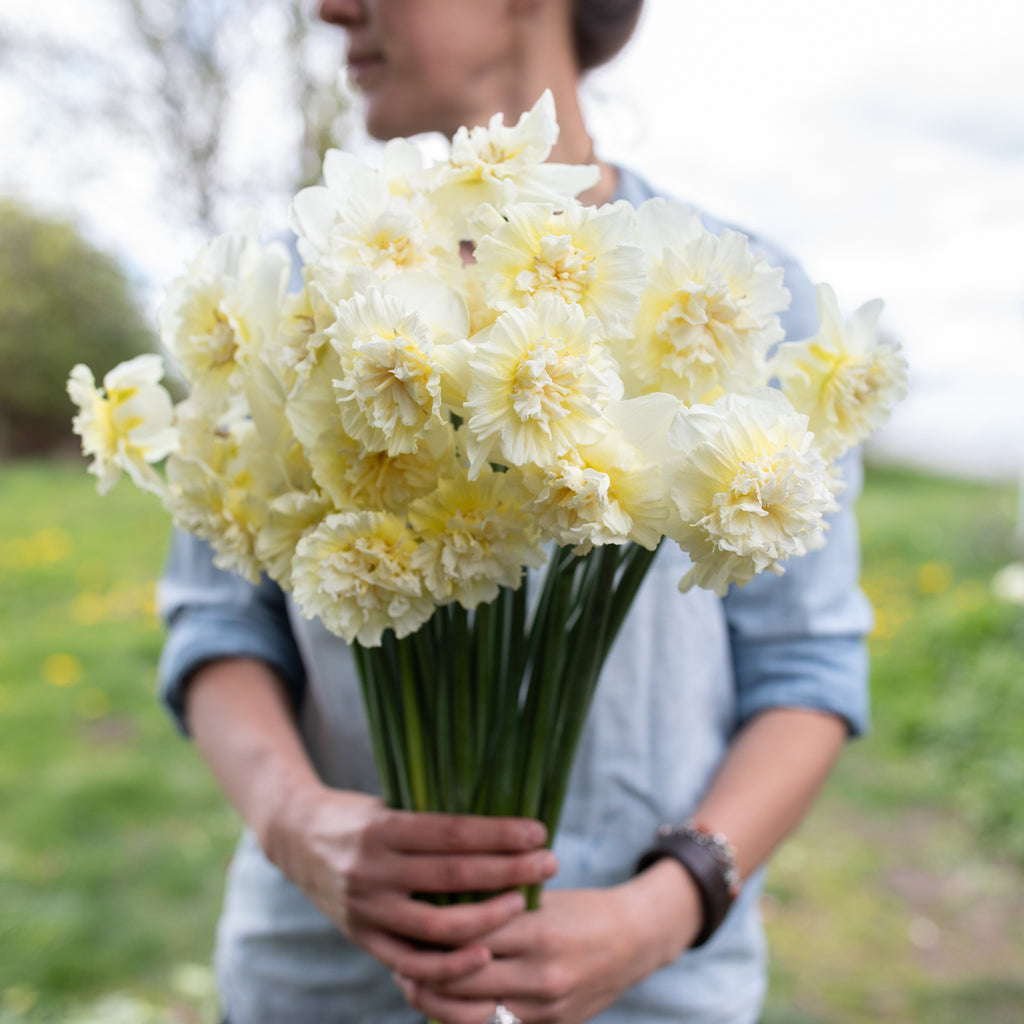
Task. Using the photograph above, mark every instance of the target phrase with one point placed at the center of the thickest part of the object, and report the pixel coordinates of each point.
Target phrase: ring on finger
(502, 1015)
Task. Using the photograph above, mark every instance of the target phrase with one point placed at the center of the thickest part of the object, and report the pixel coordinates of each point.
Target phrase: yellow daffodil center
(393, 381)
(559, 268)
(543, 381)
(689, 328)
(396, 242)
(770, 498)
(219, 340)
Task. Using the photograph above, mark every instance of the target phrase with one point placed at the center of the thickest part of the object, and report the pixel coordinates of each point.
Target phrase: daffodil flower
(844, 378)
(127, 424)
(750, 488)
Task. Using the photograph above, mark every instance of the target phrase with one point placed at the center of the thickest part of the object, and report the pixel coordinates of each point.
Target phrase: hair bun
(601, 28)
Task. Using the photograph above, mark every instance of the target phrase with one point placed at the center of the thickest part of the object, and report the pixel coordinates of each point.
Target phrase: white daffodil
(751, 488)
(354, 571)
(474, 537)
(582, 256)
(354, 223)
(355, 478)
(125, 425)
(665, 224)
(844, 378)
(403, 167)
(707, 317)
(219, 487)
(289, 518)
(305, 315)
(500, 165)
(388, 389)
(223, 311)
(604, 493)
(540, 380)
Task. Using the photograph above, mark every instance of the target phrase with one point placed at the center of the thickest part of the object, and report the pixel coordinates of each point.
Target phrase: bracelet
(710, 860)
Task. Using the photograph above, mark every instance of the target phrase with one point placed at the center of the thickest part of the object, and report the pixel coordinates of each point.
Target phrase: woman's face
(425, 65)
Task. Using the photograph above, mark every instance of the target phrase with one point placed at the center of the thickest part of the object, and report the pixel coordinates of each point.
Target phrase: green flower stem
(483, 642)
(433, 707)
(382, 751)
(635, 561)
(589, 648)
(484, 715)
(546, 681)
(390, 691)
(464, 745)
(423, 797)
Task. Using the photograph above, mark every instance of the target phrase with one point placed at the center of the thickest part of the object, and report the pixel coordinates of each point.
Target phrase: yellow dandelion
(934, 578)
(62, 670)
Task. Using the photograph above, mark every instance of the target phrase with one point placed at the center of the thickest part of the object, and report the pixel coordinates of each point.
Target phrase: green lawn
(900, 900)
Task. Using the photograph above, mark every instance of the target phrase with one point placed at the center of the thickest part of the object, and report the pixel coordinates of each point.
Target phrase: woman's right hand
(361, 863)
(357, 861)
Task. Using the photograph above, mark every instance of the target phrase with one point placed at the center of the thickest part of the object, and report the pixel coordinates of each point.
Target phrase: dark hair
(601, 28)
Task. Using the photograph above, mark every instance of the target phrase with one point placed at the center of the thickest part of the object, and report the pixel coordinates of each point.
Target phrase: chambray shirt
(686, 671)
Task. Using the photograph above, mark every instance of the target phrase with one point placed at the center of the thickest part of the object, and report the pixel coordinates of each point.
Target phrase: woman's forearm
(240, 717)
(771, 775)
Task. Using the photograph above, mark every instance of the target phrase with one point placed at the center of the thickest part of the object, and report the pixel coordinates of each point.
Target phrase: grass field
(900, 900)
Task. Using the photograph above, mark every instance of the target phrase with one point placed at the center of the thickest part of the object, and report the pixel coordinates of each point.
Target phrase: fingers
(535, 980)
(480, 872)
(421, 966)
(438, 926)
(437, 1006)
(414, 832)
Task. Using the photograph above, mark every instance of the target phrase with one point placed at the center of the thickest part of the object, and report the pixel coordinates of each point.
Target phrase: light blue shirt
(686, 671)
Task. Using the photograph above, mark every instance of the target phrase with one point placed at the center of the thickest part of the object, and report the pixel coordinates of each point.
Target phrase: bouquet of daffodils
(481, 377)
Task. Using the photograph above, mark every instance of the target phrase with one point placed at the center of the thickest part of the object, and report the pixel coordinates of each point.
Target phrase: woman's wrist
(244, 727)
(287, 807)
(667, 912)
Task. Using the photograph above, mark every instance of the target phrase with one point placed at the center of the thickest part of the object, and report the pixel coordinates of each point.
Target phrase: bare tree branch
(174, 82)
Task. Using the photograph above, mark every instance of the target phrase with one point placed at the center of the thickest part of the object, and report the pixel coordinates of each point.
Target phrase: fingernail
(536, 833)
(514, 902)
(548, 863)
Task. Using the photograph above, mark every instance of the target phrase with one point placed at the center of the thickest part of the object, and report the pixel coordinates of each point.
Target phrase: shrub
(62, 301)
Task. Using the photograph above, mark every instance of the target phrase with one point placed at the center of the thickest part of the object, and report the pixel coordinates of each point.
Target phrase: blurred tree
(62, 302)
(235, 100)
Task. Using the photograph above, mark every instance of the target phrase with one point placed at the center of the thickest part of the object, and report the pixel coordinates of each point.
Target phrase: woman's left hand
(579, 952)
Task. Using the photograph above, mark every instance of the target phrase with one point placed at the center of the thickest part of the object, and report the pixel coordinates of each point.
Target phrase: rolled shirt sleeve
(211, 613)
(798, 639)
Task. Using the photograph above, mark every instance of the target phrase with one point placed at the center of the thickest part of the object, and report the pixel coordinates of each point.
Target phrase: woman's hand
(360, 864)
(575, 956)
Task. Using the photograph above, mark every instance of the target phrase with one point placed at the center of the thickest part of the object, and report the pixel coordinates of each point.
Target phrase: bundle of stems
(481, 713)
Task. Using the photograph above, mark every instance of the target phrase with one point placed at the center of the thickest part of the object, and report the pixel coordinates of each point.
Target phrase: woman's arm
(584, 948)
(356, 860)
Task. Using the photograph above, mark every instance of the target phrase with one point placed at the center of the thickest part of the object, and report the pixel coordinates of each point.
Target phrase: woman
(729, 712)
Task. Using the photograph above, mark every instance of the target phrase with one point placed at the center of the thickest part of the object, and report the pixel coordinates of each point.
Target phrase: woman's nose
(345, 13)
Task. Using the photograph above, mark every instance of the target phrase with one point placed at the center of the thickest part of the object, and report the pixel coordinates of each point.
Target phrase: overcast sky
(881, 141)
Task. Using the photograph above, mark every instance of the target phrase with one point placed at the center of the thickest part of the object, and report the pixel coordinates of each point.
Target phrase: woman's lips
(363, 67)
